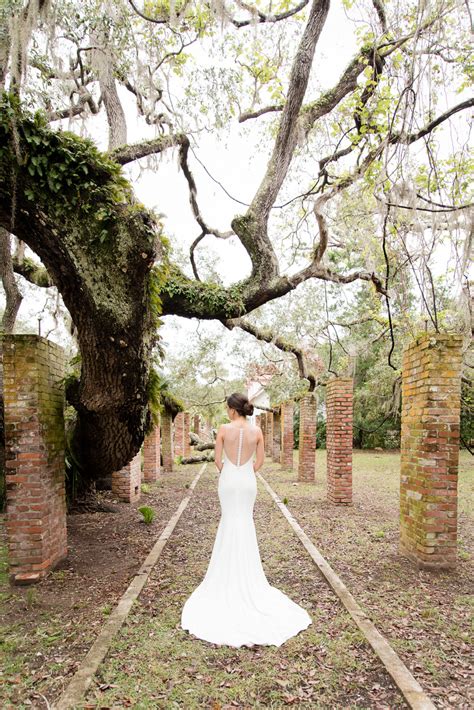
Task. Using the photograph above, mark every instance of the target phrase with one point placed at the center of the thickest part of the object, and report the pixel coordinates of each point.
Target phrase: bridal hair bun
(248, 407)
(241, 404)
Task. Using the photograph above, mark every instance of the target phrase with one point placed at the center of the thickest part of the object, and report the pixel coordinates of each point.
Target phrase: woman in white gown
(234, 604)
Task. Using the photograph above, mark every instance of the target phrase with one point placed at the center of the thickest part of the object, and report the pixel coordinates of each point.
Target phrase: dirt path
(47, 629)
(155, 664)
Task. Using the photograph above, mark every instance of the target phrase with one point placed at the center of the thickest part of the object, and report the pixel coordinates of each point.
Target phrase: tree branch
(135, 151)
(412, 137)
(33, 272)
(268, 337)
(286, 139)
(255, 114)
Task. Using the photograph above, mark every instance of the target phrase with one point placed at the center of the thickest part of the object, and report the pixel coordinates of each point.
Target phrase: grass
(153, 663)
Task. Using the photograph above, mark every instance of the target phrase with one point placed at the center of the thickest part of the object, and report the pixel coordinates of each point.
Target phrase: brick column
(431, 391)
(286, 422)
(258, 420)
(206, 431)
(307, 446)
(152, 455)
(126, 483)
(186, 430)
(178, 435)
(167, 442)
(196, 424)
(35, 518)
(269, 437)
(263, 427)
(339, 405)
(276, 451)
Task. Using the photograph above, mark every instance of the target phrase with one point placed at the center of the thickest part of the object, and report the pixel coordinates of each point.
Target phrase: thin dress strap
(239, 451)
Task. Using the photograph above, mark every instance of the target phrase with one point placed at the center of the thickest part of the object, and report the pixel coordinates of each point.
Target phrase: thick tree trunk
(105, 287)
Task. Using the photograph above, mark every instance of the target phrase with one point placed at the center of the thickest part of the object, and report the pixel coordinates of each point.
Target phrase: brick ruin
(307, 438)
(33, 368)
(286, 437)
(431, 400)
(339, 405)
(34, 456)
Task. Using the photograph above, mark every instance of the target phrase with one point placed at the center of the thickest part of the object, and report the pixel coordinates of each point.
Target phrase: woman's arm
(260, 451)
(219, 447)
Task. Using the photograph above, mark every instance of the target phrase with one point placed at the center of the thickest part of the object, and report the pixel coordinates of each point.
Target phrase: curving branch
(410, 138)
(135, 151)
(268, 337)
(32, 271)
(13, 295)
(76, 109)
(260, 17)
(255, 114)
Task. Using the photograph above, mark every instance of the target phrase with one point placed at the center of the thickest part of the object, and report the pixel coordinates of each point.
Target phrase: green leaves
(70, 178)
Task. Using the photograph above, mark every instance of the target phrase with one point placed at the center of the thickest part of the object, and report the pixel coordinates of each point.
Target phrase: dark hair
(240, 403)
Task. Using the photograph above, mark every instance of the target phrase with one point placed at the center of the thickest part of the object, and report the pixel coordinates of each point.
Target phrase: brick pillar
(35, 518)
(186, 430)
(258, 420)
(263, 427)
(431, 390)
(152, 455)
(167, 442)
(339, 439)
(196, 424)
(307, 446)
(126, 483)
(276, 452)
(286, 422)
(206, 432)
(178, 434)
(269, 437)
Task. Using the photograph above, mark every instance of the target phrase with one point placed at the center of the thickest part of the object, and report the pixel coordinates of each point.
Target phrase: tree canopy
(361, 175)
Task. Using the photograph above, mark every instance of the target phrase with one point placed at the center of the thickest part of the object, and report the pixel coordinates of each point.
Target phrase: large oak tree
(106, 253)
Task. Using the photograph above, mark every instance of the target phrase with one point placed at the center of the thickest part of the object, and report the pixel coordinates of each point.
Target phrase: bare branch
(412, 137)
(255, 114)
(261, 17)
(268, 337)
(156, 21)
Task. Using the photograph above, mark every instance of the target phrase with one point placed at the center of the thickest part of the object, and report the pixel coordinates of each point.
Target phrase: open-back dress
(235, 605)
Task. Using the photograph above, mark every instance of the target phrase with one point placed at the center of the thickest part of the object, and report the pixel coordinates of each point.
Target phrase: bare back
(240, 443)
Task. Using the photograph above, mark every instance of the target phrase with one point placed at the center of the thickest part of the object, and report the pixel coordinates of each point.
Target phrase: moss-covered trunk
(73, 207)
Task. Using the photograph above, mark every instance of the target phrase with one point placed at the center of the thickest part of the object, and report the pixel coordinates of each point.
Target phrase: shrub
(148, 513)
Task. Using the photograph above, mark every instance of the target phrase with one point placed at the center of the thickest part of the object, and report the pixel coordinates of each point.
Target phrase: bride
(234, 604)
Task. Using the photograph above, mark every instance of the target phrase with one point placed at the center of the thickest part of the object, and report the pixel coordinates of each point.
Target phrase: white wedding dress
(234, 604)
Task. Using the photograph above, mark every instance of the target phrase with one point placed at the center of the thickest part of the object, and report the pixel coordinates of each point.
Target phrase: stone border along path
(404, 680)
(409, 687)
(82, 679)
